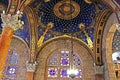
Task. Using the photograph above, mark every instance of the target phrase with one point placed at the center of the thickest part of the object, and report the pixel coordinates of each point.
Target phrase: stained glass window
(10, 70)
(79, 74)
(76, 60)
(59, 63)
(52, 72)
(54, 60)
(63, 72)
(64, 58)
(14, 58)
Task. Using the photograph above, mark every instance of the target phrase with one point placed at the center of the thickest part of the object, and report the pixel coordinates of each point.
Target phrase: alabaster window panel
(59, 63)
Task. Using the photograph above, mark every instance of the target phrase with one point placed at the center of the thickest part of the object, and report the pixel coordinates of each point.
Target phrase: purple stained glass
(14, 58)
(11, 71)
(54, 60)
(76, 60)
(63, 72)
(64, 62)
(64, 55)
(52, 72)
(79, 75)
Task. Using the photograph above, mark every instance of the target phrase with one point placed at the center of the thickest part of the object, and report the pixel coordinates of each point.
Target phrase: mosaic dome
(67, 15)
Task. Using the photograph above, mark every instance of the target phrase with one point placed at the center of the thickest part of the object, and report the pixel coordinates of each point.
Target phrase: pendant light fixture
(72, 72)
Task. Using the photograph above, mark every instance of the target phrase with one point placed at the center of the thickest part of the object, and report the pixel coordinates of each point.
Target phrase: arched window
(18, 55)
(116, 61)
(116, 57)
(11, 67)
(59, 63)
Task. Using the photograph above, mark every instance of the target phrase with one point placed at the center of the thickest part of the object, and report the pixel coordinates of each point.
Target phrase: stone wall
(59, 44)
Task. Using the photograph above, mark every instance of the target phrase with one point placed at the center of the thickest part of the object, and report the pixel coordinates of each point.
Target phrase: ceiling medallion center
(66, 9)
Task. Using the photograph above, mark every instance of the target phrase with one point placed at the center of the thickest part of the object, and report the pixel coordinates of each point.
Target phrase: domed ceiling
(66, 15)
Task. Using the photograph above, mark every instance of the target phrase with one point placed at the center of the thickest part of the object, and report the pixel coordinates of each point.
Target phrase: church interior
(60, 40)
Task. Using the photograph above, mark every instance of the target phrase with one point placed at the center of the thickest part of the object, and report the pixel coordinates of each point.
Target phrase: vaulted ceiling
(66, 15)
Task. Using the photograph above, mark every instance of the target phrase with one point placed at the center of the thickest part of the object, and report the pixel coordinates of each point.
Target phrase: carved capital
(98, 69)
(31, 66)
(12, 21)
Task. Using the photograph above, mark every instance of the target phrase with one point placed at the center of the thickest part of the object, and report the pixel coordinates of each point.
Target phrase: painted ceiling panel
(59, 12)
(70, 25)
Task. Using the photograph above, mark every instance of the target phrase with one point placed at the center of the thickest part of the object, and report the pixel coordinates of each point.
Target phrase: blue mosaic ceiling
(86, 15)
(69, 26)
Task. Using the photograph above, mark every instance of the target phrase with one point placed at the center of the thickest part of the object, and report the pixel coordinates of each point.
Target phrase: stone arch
(108, 35)
(21, 48)
(58, 44)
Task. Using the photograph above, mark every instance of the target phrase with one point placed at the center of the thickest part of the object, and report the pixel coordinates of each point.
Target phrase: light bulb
(3, 11)
(72, 73)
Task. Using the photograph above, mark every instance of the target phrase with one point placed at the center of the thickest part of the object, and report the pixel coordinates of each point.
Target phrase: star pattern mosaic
(62, 26)
(70, 26)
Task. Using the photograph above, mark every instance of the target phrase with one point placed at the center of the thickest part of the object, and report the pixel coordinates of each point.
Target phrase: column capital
(31, 66)
(98, 69)
(12, 21)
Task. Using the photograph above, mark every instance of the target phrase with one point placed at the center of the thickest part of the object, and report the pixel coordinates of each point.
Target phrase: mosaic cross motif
(11, 71)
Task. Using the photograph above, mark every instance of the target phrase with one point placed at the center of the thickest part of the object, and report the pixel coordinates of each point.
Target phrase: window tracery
(59, 63)
(11, 68)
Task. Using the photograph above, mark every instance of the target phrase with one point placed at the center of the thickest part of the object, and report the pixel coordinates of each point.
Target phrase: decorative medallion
(66, 9)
